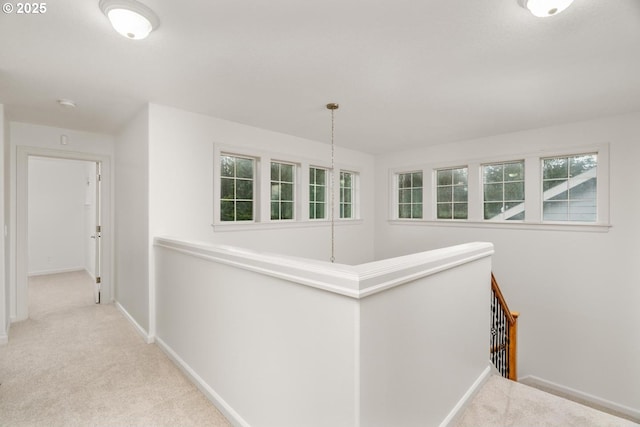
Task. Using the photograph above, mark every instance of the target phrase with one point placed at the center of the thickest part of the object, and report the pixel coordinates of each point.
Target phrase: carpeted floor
(75, 363)
(503, 403)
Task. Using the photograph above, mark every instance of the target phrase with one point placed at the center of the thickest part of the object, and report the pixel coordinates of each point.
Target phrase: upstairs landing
(501, 403)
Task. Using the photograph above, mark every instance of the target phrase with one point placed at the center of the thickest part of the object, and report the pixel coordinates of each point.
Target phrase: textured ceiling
(406, 73)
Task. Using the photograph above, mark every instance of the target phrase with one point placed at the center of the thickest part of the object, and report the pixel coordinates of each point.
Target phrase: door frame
(21, 299)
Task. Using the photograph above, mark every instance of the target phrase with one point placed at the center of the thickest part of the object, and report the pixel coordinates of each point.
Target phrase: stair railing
(504, 327)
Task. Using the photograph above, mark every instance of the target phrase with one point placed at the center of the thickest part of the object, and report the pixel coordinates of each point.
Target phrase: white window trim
(355, 195)
(533, 192)
(262, 191)
(434, 203)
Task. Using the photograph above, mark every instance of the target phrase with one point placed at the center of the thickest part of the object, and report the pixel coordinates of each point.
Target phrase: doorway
(63, 221)
(63, 226)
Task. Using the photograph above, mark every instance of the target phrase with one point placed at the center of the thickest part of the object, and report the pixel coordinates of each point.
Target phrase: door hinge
(99, 177)
(98, 279)
(98, 228)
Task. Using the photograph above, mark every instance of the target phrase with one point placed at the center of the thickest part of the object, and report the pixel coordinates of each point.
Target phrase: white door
(98, 235)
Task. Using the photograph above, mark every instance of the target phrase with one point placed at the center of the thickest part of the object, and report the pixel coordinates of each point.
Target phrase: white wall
(35, 140)
(4, 209)
(57, 222)
(132, 218)
(181, 170)
(578, 292)
(282, 341)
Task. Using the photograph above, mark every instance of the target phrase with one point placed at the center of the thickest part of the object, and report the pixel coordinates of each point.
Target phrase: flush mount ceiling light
(130, 18)
(544, 8)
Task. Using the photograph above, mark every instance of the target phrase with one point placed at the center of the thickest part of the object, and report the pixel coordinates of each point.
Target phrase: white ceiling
(406, 73)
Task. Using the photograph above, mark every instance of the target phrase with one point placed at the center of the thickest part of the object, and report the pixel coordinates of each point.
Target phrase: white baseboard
(214, 397)
(147, 338)
(568, 391)
(55, 271)
(466, 399)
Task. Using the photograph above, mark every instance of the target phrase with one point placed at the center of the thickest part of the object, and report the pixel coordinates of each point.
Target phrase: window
(504, 191)
(282, 179)
(347, 193)
(452, 193)
(317, 193)
(410, 195)
(569, 188)
(236, 188)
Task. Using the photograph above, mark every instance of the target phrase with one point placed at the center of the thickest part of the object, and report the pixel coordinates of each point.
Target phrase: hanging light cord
(333, 107)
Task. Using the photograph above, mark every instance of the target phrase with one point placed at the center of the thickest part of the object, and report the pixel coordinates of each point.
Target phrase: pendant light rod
(333, 107)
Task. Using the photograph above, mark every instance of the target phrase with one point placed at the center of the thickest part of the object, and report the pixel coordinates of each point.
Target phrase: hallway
(77, 363)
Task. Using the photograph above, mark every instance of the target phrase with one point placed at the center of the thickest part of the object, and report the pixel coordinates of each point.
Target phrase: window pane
(320, 210)
(570, 188)
(347, 195)
(445, 194)
(416, 179)
(555, 211)
(492, 210)
(244, 168)
(514, 191)
(582, 210)
(320, 194)
(227, 166)
(275, 171)
(244, 189)
(416, 211)
(514, 171)
(460, 193)
(405, 196)
(346, 213)
(287, 192)
(582, 164)
(275, 210)
(445, 177)
(275, 191)
(493, 192)
(227, 211)
(244, 211)
(460, 176)
(404, 180)
(460, 211)
(404, 211)
(286, 173)
(555, 168)
(444, 211)
(236, 188)
(493, 173)
(346, 179)
(227, 188)
(321, 176)
(286, 210)
(416, 195)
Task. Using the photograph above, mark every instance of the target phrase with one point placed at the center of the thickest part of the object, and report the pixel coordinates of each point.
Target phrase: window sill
(274, 225)
(511, 225)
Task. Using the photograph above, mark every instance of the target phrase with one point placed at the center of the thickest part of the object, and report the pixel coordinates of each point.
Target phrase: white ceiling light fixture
(544, 8)
(130, 18)
(67, 103)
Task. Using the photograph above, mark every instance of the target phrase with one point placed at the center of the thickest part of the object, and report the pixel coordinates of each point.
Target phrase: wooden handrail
(510, 346)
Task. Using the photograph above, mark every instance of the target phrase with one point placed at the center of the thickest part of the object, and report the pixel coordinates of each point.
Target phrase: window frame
(501, 217)
(355, 205)
(533, 191)
(326, 186)
(452, 202)
(294, 190)
(397, 202)
(220, 200)
(542, 191)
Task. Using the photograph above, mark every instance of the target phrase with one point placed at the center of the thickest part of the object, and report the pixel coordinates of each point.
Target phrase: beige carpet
(503, 403)
(75, 363)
